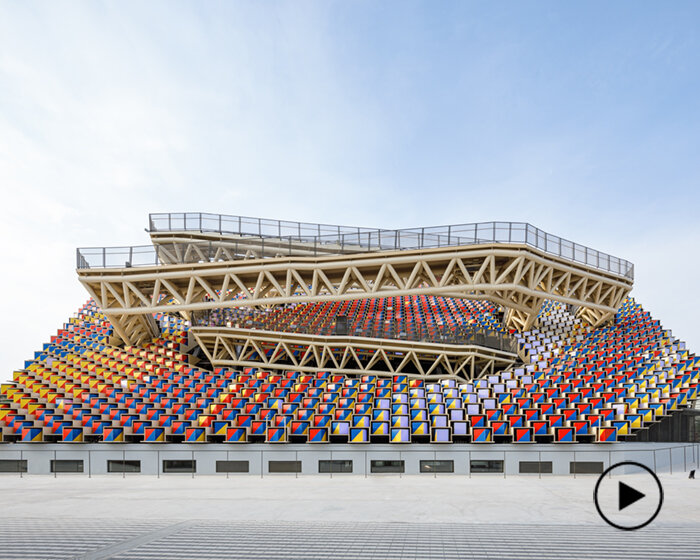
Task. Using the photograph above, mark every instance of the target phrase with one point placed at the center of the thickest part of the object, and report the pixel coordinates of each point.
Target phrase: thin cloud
(376, 115)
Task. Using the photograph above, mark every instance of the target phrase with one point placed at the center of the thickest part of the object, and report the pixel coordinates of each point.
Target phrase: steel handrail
(324, 239)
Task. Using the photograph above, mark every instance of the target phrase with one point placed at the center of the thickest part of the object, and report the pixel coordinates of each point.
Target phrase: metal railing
(396, 330)
(287, 238)
(245, 225)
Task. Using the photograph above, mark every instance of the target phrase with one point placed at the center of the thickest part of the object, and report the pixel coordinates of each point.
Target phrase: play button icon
(628, 495)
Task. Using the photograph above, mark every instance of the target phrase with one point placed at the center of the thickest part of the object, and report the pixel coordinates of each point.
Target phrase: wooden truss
(238, 348)
(518, 277)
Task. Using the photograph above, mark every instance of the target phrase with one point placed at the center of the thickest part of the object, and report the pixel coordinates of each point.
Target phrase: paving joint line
(129, 544)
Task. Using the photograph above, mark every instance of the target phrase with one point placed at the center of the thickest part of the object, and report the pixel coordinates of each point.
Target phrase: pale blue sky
(581, 118)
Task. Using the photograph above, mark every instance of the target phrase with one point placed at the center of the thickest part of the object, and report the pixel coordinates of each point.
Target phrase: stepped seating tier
(580, 385)
(414, 318)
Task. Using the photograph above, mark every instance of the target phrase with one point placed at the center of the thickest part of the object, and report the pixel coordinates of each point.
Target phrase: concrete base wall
(660, 457)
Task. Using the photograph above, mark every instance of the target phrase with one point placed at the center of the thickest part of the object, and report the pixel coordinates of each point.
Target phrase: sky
(580, 118)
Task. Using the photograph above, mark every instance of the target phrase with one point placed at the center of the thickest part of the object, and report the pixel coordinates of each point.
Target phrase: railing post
(104, 257)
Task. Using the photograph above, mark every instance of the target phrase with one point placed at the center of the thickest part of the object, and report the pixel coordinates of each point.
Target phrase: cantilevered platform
(207, 261)
(517, 276)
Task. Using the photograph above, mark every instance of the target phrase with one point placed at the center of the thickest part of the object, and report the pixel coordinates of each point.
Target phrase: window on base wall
(179, 466)
(13, 465)
(118, 466)
(66, 465)
(535, 467)
(387, 466)
(437, 466)
(335, 466)
(486, 466)
(586, 467)
(284, 466)
(232, 466)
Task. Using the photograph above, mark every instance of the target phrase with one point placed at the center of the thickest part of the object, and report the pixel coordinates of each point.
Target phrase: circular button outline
(623, 527)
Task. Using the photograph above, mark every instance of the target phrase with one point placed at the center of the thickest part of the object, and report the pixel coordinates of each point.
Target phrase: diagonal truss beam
(225, 347)
(518, 277)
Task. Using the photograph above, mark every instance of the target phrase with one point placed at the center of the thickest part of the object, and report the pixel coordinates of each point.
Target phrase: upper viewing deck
(203, 237)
